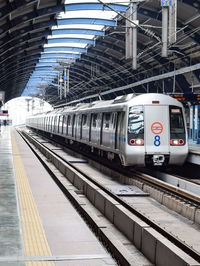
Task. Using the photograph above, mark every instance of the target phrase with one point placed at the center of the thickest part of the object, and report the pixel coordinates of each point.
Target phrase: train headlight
(176, 142)
(139, 141)
(136, 142)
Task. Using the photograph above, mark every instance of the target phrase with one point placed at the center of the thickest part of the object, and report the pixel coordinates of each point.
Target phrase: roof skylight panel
(63, 53)
(77, 36)
(125, 2)
(63, 44)
(58, 55)
(109, 15)
(79, 26)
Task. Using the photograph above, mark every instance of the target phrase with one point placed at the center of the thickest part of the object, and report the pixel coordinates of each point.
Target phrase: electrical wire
(153, 46)
(141, 56)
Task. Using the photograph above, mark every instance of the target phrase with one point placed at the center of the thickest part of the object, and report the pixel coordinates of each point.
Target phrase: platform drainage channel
(126, 190)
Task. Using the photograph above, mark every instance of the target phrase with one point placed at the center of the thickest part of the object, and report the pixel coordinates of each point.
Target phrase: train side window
(114, 120)
(94, 120)
(68, 123)
(48, 124)
(84, 120)
(176, 120)
(60, 124)
(69, 120)
(177, 125)
(136, 121)
(51, 124)
(107, 119)
(64, 124)
(89, 120)
(55, 123)
(73, 124)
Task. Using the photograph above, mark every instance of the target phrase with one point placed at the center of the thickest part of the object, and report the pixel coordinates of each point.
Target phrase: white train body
(141, 130)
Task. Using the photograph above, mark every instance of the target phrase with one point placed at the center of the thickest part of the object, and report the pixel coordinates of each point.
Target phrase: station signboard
(186, 97)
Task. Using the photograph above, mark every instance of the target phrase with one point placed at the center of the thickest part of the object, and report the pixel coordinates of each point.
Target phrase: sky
(18, 108)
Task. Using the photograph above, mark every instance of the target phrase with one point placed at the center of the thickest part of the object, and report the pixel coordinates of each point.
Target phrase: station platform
(194, 154)
(38, 224)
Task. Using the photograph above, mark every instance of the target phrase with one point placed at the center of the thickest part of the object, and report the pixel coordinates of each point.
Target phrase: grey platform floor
(67, 234)
(10, 229)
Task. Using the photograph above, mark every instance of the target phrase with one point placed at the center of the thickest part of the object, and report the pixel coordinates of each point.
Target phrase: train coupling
(158, 159)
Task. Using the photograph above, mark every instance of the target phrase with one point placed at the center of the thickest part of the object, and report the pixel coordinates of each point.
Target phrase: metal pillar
(191, 123)
(196, 120)
(65, 82)
(164, 31)
(60, 81)
(133, 10)
(58, 84)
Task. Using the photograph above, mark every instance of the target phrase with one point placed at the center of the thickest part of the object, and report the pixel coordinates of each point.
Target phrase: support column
(196, 118)
(134, 33)
(68, 80)
(164, 31)
(60, 80)
(191, 123)
(65, 82)
(59, 84)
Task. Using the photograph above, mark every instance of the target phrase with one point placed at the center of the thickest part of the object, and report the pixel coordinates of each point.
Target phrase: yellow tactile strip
(34, 239)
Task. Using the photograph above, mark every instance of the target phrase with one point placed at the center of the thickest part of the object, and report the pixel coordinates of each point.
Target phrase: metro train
(147, 129)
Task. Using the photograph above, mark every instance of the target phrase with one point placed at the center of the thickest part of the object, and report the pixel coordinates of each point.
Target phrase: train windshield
(176, 120)
(136, 121)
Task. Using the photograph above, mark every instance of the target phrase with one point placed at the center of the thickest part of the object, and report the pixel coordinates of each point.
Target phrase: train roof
(120, 102)
(130, 99)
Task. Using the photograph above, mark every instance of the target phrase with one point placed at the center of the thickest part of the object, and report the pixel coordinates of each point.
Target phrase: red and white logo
(156, 128)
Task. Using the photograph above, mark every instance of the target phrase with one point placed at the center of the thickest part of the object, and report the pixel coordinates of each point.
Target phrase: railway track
(137, 227)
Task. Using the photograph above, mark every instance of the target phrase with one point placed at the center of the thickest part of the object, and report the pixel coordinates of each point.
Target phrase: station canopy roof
(39, 38)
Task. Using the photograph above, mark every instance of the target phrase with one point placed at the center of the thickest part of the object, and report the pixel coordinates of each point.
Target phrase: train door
(89, 123)
(156, 129)
(95, 128)
(55, 124)
(84, 127)
(51, 123)
(77, 126)
(69, 125)
(113, 130)
(48, 123)
(106, 127)
(120, 130)
(73, 125)
(60, 124)
(99, 127)
(64, 127)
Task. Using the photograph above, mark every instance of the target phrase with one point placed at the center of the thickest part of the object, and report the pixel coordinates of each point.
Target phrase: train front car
(156, 132)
